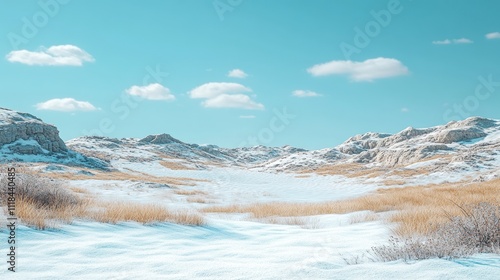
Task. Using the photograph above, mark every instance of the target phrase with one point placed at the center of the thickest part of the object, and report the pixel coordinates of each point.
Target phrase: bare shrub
(42, 202)
(477, 230)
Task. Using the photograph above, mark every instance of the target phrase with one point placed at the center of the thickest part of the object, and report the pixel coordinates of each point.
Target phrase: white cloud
(305, 93)
(368, 70)
(225, 95)
(151, 92)
(237, 73)
(247, 117)
(65, 105)
(453, 41)
(63, 55)
(493, 35)
(443, 42)
(462, 41)
(405, 110)
(210, 90)
(232, 101)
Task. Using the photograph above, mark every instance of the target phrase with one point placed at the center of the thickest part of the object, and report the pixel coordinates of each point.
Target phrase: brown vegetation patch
(350, 170)
(114, 212)
(44, 203)
(419, 209)
(131, 176)
(190, 192)
(175, 165)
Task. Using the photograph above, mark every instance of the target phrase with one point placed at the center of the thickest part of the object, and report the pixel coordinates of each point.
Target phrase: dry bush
(42, 202)
(476, 231)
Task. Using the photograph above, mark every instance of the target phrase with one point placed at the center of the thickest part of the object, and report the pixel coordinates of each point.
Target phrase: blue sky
(240, 72)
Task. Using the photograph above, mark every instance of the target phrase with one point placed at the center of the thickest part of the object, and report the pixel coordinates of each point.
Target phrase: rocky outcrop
(458, 135)
(160, 139)
(26, 138)
(21, 126)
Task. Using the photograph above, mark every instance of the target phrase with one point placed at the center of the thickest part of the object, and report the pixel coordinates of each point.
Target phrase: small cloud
(443, 42)
(247, 117)
(462, 41)
(453, 41)
(225, 95)
(365, 71)
(493, 35)
(405, 110)
(237, 73)
(305, 93)
(210, 90)
(63, 55)
(65, 105)
(151, 92)
(233, 101)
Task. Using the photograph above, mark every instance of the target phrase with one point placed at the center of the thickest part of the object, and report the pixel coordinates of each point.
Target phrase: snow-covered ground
(228, 246)
(224, 250)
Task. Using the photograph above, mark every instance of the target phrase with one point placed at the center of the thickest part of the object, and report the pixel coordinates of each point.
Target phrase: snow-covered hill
(26, 138)
(471, 145)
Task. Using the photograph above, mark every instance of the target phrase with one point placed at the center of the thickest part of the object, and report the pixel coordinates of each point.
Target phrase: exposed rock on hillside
(16, 126)
(24, 137)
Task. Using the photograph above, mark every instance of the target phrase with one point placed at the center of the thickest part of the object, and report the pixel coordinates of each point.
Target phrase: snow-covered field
(228, 246)
(224, 250)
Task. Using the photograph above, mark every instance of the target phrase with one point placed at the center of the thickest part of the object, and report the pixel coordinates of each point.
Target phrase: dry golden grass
(408, 172)
(48, 217)
(303, 222)
(364, 217)
(114, 212)
(417, 209)
(351, 170)
(189, 192)
(106, 212)
(45, 203)
(198, 199)
(79, 190)
(392, 182)
(175, 165)
(132, 176)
